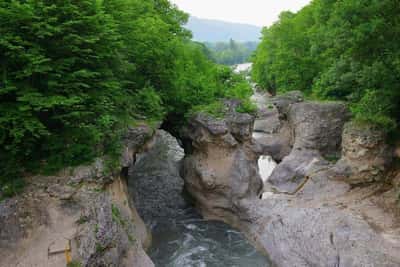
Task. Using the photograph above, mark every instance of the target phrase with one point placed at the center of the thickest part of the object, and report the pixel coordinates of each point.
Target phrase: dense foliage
(74, 74)
(231, 53)
(337, 50)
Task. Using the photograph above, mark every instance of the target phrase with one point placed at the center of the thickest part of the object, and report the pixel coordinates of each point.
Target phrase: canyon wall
(316, 210)
(82, 215)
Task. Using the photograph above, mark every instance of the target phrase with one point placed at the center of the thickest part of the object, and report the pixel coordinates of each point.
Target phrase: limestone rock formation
(220, 167)
(271, 129)
(365, 154)
(310, 217)
(82, 214)
(317, 130)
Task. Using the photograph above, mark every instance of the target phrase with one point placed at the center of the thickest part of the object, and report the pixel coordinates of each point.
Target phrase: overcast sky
(256, 12)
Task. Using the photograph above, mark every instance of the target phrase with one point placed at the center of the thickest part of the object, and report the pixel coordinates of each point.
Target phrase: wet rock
(365, 155)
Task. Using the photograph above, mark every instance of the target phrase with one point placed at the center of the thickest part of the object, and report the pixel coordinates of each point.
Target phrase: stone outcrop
(309, 214)
(271, 129)
(317, 130)
(154, 181)
(365, 155)
(220, 167)
(82, 215)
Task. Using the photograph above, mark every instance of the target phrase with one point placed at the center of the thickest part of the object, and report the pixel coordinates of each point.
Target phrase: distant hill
(206, 30)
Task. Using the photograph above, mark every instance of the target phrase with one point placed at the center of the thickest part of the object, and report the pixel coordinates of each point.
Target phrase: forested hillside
(232, 52)
(337, 50)
(75, 74)
(207, 30)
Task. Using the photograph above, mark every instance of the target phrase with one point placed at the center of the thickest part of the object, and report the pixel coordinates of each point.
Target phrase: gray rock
(277, 145)
(85, 206)
(220, 170)
(106, 237)
(366, 156)
(154, 181)
(317, 129)
(304, 235)
(134, 142)
(318, 126)
(284, 102)
(63, 192)
(271, 128)
(308, 217)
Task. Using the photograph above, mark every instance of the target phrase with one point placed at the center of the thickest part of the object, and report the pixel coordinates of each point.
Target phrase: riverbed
(181, 238)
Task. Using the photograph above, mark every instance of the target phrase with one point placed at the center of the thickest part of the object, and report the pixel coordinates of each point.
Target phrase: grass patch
(116, 215)
(11, 188)
(74, 264)
(215, 109)
(332, 158)
(82, 220)
(100, 248)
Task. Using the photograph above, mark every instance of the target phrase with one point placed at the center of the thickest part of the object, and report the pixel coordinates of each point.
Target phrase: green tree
(75, 74)
(337, 50)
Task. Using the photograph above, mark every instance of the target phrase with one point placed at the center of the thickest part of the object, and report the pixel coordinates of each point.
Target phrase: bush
(337, 50)
(74, 74)
(148, 104)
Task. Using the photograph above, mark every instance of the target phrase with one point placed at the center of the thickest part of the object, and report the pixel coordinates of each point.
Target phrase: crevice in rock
(181, 237)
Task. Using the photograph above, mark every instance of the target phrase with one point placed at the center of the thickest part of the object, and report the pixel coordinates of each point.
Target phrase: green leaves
(337, 50)
(74, 74)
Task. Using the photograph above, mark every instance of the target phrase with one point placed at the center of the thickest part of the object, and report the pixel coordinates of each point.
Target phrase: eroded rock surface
(311, 217)
(271, 129)
(309, 214)
(83, 215)
(220, 169)
(365, 155)
(317, 130)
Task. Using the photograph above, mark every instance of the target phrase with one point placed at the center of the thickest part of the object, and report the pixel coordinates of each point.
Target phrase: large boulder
(323, 232)
(317, 130)
(271, 128)
(220, 167)
(366, 156)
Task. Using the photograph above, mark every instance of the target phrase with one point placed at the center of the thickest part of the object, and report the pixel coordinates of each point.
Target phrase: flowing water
(242, 67)
(266, 166)
(181, 238)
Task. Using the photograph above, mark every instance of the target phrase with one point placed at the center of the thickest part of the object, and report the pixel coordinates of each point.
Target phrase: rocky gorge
(330, 201)
(303, 183)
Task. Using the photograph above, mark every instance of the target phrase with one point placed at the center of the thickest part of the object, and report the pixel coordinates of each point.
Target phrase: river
(181, 238)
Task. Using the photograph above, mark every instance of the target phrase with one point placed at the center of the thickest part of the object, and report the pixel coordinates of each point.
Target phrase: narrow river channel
(181, 238)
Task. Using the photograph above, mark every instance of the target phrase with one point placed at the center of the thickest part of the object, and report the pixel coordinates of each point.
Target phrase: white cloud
(257, 12)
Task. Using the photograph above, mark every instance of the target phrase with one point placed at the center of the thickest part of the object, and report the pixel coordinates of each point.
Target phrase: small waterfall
(266, 166)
